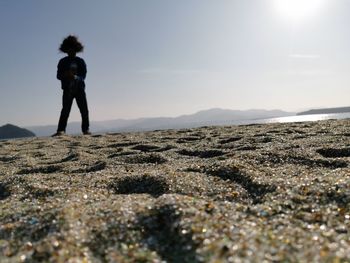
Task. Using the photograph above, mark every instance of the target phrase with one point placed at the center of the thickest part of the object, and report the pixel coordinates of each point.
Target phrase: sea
(305, 118)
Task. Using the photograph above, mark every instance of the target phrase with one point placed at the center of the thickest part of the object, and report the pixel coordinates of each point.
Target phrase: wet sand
(274, 192)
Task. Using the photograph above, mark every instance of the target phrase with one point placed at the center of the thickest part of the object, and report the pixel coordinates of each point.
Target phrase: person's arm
(82, 70)
(60, 72)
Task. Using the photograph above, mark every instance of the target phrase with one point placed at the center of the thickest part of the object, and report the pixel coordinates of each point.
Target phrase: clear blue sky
(172, 57)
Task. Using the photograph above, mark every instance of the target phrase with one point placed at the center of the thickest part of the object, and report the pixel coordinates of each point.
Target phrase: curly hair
(71, 43)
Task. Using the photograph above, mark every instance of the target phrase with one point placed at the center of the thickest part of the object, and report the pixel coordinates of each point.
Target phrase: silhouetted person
(71, 71)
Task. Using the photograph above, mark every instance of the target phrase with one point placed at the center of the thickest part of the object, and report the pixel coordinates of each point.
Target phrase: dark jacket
(65, 65)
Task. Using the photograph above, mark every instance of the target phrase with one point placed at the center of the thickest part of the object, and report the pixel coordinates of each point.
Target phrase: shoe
(59, 133)
(87, 133)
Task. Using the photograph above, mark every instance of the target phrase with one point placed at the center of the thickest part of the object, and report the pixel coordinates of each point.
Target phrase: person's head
(71, 46)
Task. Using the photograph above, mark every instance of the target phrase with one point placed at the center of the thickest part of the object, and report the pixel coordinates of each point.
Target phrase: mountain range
(209, 117)
(326, 111)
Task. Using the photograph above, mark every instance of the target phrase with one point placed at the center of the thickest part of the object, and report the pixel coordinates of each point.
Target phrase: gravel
(255, 193)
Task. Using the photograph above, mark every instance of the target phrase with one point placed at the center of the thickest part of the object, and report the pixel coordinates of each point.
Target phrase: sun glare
(298, 10)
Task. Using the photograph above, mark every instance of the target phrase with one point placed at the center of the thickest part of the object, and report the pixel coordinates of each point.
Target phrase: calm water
(302, 118)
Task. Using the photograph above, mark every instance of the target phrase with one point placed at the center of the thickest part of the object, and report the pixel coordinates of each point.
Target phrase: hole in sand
(334, 153)
(44, 169)
(147, 158)
(202, 154)
(144, 184)
(4, 191)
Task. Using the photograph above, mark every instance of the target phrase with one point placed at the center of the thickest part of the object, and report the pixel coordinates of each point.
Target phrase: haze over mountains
(209, 117)
(202, 118)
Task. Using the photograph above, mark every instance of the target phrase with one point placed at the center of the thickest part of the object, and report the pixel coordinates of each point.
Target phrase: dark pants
(67, 101)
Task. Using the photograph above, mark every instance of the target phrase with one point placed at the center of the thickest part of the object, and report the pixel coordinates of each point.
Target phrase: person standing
(71, 71)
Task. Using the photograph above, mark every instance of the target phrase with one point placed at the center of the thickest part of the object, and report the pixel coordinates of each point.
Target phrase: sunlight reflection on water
(311, 117)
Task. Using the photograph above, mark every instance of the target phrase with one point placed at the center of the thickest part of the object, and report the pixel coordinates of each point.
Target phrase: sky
(172, 57)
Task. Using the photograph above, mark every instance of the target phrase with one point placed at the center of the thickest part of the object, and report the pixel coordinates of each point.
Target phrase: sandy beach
(273, 192)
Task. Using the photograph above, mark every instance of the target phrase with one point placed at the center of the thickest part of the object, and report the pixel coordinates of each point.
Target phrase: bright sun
(298, 10)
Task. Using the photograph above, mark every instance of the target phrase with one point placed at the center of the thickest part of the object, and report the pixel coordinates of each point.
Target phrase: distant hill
(325, 111)
(10, 131)
(202, 118)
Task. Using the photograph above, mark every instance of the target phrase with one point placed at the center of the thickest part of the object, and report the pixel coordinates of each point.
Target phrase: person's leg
(83, 107)
(67, 101)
